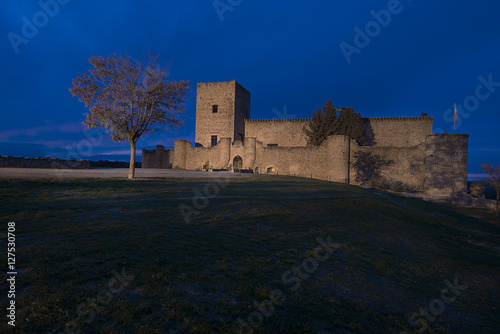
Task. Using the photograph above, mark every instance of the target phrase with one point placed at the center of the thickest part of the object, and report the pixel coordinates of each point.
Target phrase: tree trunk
(131, 168)
(498, 197)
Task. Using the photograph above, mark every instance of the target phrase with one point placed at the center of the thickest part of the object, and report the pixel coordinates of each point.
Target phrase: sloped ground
(114, 256)
(61, 174)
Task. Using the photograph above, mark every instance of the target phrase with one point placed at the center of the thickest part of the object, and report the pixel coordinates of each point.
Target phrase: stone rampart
(280, 132)
(446, 157)
(159, 158)
(407, 163)
(387, 131)
(400, 131)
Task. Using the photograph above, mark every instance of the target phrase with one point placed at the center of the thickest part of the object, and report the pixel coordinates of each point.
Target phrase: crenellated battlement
(405, 118)
(277, 120)
(392, 118)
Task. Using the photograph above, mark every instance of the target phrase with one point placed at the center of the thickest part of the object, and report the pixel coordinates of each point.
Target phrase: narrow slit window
(215, 108)
(214, 140)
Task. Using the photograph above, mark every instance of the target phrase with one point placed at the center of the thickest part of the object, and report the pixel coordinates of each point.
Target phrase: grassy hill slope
(117, 256)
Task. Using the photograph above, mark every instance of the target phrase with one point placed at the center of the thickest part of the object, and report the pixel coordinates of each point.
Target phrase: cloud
(70, 127)
(492, 149)
(119, 152)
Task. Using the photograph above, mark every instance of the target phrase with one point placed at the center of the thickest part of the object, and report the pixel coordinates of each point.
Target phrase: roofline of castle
(404, 118)
(414, 118)
(225, 82)
(449, 134)
(278, 120)
(216, 82)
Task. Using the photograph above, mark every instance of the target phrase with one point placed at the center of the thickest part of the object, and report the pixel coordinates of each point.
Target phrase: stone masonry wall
(328, 161)
(446, 159)
(400, 131)
(284, 160)
(408, 163)
(388, 131)
(197, 157)
(284, 132)
(220, 124)
(241, 111)
(148, 158)
(159, 158)
(333, 160)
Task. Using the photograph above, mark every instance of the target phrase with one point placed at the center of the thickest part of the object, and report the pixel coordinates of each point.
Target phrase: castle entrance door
(237, 163)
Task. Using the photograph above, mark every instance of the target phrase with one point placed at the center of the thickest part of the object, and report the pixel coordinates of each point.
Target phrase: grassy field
(118, 256)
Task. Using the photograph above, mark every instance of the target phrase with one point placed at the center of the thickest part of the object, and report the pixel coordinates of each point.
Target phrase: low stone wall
(43, 163)
(159, 158)
(307, 161)
(461, 201)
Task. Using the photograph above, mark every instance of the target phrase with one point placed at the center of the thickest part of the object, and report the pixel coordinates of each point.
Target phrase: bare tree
(129, 97)
(494, 180)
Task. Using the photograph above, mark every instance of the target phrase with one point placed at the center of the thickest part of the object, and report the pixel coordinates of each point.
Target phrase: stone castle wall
(148, 158)
(437, 166)
(159, 158)
(241, 111)
(283, 132)
(446, 157)
(256, 156)
(388, 131)
(283, 160)
(197, 157)
(408, 163)
(401, 131)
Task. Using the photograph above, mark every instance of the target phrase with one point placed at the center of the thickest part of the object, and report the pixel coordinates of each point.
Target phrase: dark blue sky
(425, 57)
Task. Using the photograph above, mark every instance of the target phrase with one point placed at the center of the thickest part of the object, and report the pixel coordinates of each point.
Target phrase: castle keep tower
(221, 108)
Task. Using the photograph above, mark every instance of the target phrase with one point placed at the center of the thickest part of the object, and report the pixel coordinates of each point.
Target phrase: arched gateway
(237, 163)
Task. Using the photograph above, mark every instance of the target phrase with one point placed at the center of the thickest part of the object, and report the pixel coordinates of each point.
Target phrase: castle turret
(160, 151)
(225, 152)
(250, 152)
(180, 153)
(338, 151)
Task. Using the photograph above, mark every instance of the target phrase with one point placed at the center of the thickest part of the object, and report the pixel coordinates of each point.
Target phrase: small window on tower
(215, 108)
(214, 140)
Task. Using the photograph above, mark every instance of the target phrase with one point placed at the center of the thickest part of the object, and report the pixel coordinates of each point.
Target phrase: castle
(226, 138)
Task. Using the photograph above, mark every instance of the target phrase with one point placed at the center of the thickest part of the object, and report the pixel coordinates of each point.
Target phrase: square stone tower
(221, 108)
